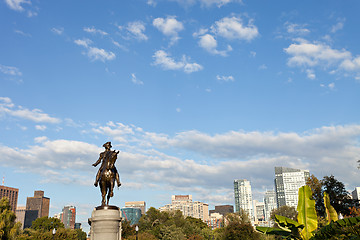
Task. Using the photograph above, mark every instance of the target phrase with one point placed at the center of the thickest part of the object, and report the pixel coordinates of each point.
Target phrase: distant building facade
(269, 203)
(132, 215)
(36, 207)
(356, 194)
(185, 204)
(259, 211)
(243, 197)
(137, 204)
(216, 220)
(287, 184)
(223, 209)
(12, 194)
(40, 203)
(20, 215)
(68, 217)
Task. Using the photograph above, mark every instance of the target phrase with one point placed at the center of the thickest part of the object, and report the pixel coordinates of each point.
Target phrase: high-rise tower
(243, 197)
(11, 194)
(287, 184)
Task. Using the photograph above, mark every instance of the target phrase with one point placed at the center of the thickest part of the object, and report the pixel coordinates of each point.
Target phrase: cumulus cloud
(95, 31)
(35, 115)
(95, 53)
(135, 30)
(17, 4)
(209, 43)
(297, 29)
(100, 54)
(40, 127)
(164, 60)
(212, 162)
(233, 28)
(169, 27)
(305, 54)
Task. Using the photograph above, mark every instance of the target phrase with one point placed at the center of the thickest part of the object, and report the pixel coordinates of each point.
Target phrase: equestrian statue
(107, 173)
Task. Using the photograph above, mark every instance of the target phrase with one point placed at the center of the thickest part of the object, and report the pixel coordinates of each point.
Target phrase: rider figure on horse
(102, 159)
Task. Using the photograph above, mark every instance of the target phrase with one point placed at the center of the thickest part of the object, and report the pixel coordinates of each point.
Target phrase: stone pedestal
(105, 223)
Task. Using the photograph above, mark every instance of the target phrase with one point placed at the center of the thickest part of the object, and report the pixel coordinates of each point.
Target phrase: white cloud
(95, 53)
(35, 115)
(58, 31)
(312, 54)
(209, 43)
(220, 158)
(305, 54)
(17, 4)
(330, 86)
(225, 78)
(135, 80)
(40, 139)
(338, 26)
(13, 71)
(40, 127)
(351, 64)
(207, 3)
(136, 30)
(169, 27)
(233, 28)
(100, 54)
(83, 42)
(95, 31)
(163, 59)
(298, 29)
(310, 74)
(22, 33)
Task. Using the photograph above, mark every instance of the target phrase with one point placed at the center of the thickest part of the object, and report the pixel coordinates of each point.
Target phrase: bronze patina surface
(107, 173)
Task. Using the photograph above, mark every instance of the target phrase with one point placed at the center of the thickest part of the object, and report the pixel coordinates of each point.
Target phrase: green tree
(238, 227)
(81, 235)
(45, 224)
(316, 187)
(8, 228)
(126, 229)
(339, 198)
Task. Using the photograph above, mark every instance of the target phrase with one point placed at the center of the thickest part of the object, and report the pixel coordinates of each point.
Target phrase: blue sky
(195, 94)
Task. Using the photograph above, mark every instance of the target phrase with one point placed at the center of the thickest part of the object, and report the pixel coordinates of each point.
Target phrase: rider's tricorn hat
(107, 144)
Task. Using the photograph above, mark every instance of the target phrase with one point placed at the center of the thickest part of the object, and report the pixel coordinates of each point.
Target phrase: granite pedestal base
(105, 223)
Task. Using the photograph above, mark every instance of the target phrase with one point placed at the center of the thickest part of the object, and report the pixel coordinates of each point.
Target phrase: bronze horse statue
(107, 176)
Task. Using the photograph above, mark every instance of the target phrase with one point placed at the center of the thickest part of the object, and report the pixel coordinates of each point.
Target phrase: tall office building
(68, 216)
(39, 203)
(11, 194)
(287, 184)
(356, 194)
(270, 203)
(137, 204)
(243, 197)
(185, 204)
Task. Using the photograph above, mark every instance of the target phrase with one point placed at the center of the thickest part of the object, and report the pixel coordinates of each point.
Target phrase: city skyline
(194, 94)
